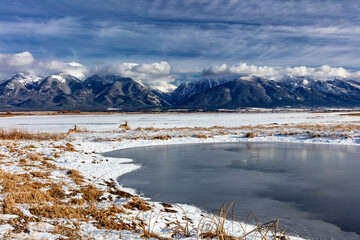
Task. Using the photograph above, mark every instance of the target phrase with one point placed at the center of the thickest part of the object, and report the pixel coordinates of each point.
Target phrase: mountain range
(26, 91)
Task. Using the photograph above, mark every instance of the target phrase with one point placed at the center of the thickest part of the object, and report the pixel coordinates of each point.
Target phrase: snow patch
(58, 78)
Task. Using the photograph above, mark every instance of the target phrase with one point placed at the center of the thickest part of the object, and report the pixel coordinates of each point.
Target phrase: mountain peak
(62, 77)
(26, 77)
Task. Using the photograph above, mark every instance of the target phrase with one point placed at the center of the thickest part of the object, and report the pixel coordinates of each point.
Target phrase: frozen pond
(313, 189)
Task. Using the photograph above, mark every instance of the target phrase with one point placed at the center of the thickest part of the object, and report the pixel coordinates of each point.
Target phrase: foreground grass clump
(249, 135)
(75, 176)
(137, 203)
(214, 225)
(16, 134)
(91, 193)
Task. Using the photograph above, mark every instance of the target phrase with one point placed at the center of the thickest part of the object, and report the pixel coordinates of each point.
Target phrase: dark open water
(313, 189)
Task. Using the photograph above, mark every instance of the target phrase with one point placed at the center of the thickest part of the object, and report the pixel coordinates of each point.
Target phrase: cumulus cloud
(157, 74)
(240, 69)
(10, 64)
(154, 74)
(321, 72)
(72, 68)
(16, 60)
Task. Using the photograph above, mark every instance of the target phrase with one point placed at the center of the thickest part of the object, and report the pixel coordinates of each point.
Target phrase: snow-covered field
(111, 122)
(101, 133)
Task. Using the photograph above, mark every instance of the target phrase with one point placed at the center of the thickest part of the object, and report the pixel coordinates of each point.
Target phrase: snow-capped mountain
(188, 89)
(252, 91)
(64, 91)
(26, 91)
(22, 79)
(331, 90)
(244, 92)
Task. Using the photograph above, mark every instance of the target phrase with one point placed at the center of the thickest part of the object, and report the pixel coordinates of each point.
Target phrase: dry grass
(33, 156)
(30, 146)
(40, 174)
(91, 193)
(249, 135)
(214, 225)
(45, 197)
(71, 232)
(56, 211)
(67, 147)
(349, 114)
(70, 148)
(161, 137)
(115, 191)
(56, 192)
(48, 204)
(201, 135)
(336, 131)
(181, 230)
(48, 165)
(104, 218)
(137, 203)
(16, 134)
(153, 235)
(75, 176)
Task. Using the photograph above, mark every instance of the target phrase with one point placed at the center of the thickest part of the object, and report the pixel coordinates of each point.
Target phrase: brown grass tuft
(75, 176)
(33, 156)
(201, 135)
(72, 232)
(54, 211)
(91, 193)
(9, 207)
(30, 146)
(137, 203)
(40, 174)
(161, 137)
(56, 192)
(249, 135)
(69, 147)
(120, 193)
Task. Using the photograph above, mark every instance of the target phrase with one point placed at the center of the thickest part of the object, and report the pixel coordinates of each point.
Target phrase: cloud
(50, 27)
(154, 74)
(270, 32)
(321, 72)
(53, 66)
(16, 60)
(240, 69)
(11, 64)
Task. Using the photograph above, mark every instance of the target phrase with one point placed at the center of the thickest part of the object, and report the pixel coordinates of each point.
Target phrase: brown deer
(72, 130)
(124, 126)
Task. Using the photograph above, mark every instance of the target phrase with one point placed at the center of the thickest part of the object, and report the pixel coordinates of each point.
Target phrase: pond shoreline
(158, 177)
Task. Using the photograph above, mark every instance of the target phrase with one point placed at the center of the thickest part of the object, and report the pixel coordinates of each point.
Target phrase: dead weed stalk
(215, 226)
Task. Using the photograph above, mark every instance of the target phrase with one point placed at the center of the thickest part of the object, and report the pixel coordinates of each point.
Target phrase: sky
(165, 41)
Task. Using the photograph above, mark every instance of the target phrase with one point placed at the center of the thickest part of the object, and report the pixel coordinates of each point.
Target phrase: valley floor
(56, 184)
